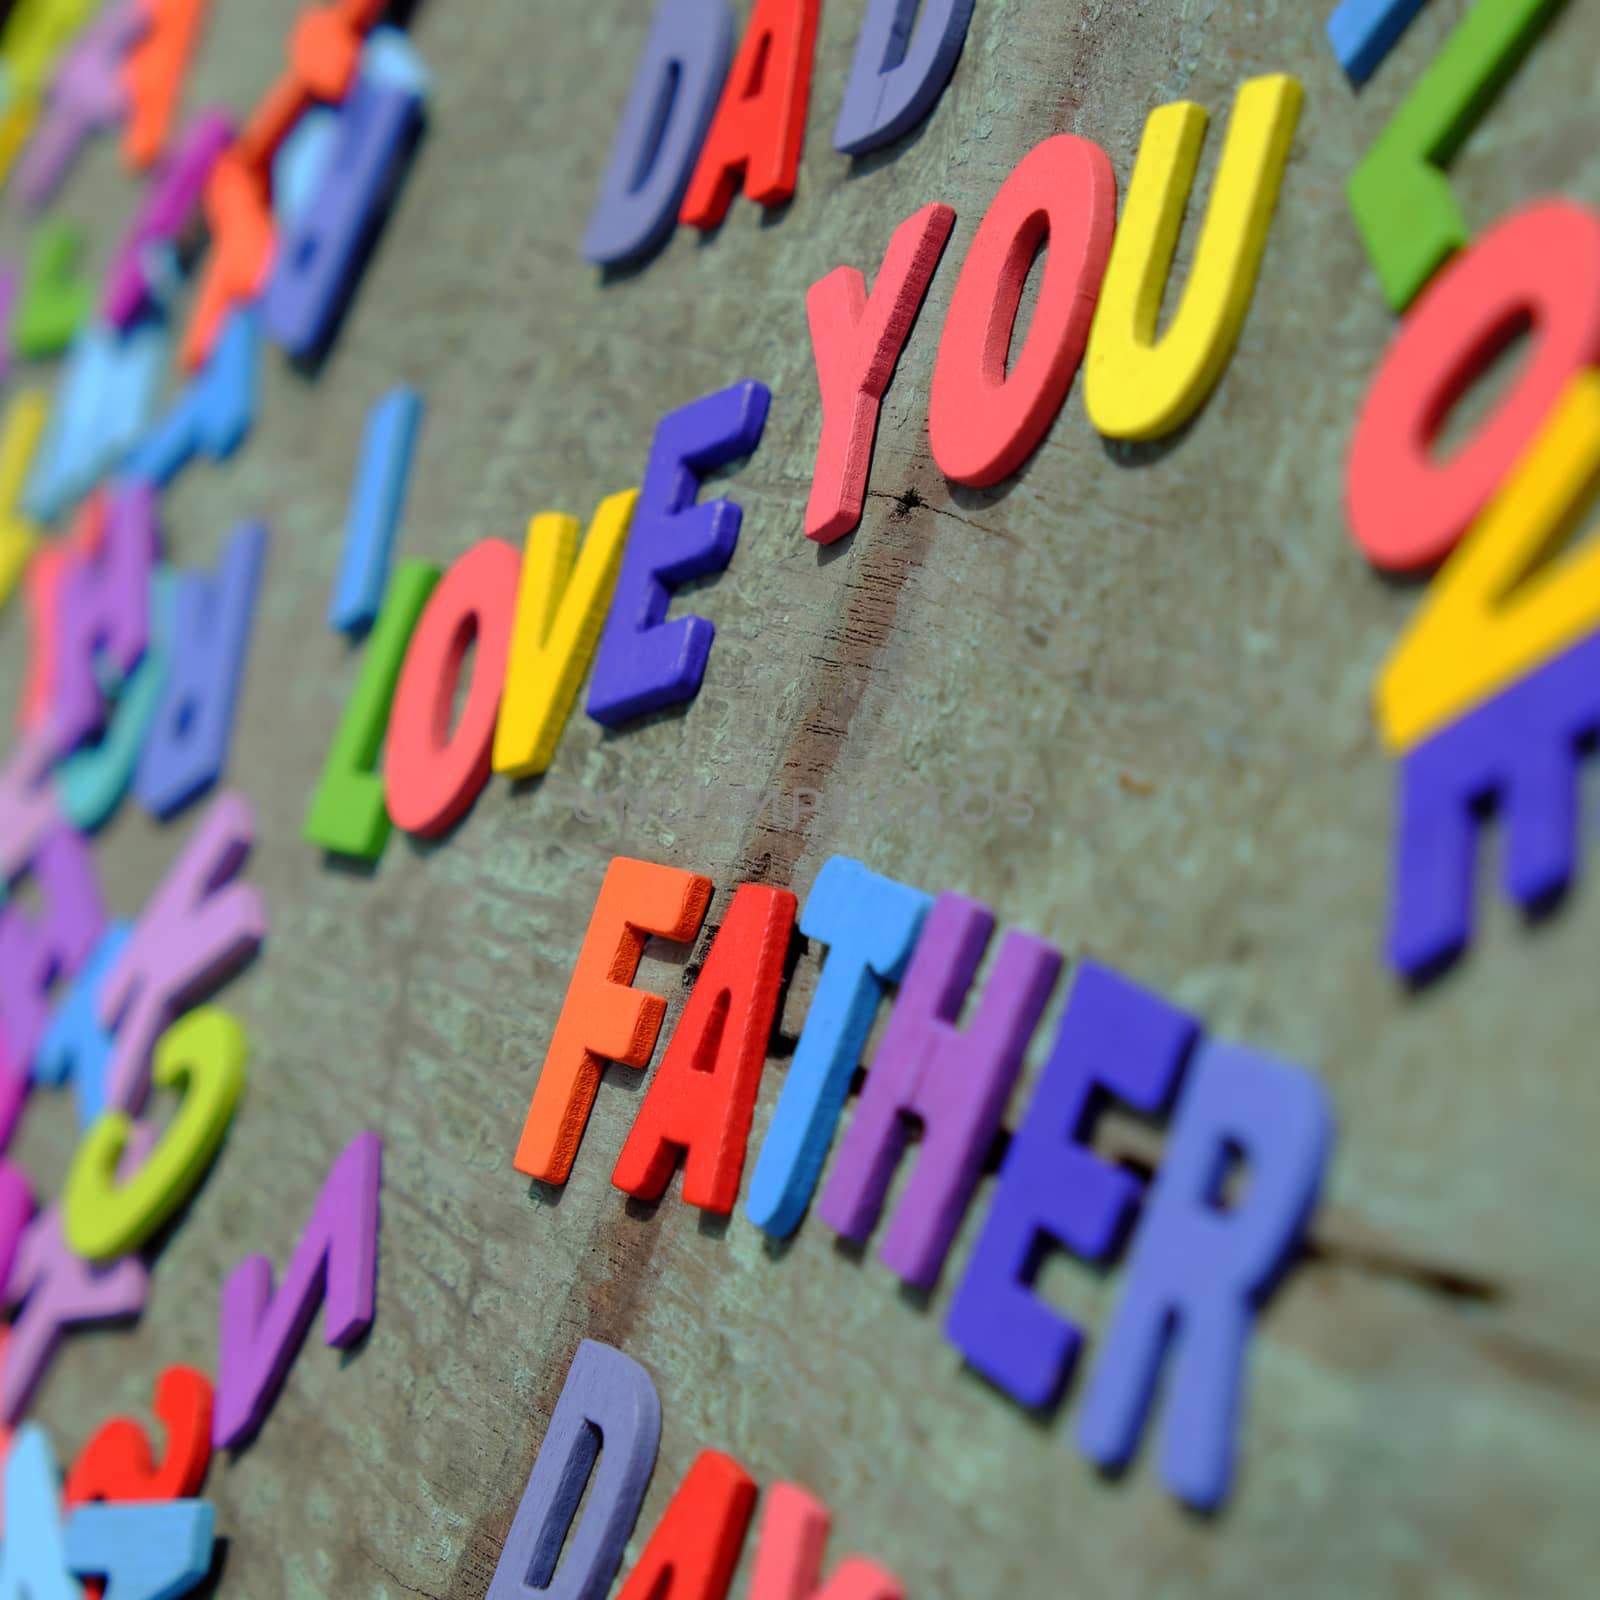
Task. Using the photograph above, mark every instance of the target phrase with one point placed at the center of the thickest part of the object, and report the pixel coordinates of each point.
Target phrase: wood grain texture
(1166, 650)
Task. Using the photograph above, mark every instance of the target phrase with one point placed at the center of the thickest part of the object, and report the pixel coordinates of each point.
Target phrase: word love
(1201, 1263)
(1487, 700)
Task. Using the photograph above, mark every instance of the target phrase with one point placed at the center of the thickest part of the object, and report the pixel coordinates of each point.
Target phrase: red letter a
(704, 1093)
(695, 1546)
(761, 119)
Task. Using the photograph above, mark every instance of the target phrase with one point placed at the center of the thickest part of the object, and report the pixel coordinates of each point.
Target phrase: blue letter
(376, 501)
(1115, 1039)
(152, 1550)
(322, 256)
(187, 747)
(895, 80)
(215, 410)
(870, 924)
(1363, 32)
(645, 662)
(1201, 1268)
(608, 1408)
(670, 106)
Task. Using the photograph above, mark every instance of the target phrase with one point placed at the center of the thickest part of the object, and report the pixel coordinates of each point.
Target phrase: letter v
(337, 1257)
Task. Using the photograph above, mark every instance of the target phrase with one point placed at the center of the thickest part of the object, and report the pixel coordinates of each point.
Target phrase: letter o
(1407, 510)
(431, 774)
(984, 422)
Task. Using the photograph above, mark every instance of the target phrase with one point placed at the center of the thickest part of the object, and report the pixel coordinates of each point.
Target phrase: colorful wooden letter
(760, 122)
(1140, 387)
(118, 1464)
(1521, 750)
(28, 806)
(104, 401)
(695, 1547)
(238, 215)
(1199, 1272)
(1116, 1039)
(93, 780)
(33, 1558)
(1504, 603)
(145, 1552)
(646, 663)
(320, 258)
(39, 953)
(1537, 269)
(663, 125)
(561, 607)
(856, 341)
(349, 814)
(870, 924)
(956, 1081)
(74, 1045)
(608, 1411)
(214, 413)
(87, 97)
(174, 193)
(26, 417)
(897, 75)
(986, 418)
(203, 1054)
(431, 773)
(337, 1257)
(47, 572)
(1363, 32)
(198, 927)
(153, 75)
(703, 1096)
(1399, 195)
(789, 1550)
(603, 1017)
(376, 502)
(54, 299)
(58, 1291)
(186, 749)
(104, 610)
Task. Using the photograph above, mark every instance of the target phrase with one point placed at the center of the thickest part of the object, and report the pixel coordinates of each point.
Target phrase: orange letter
(153, 75)
(603, 1018)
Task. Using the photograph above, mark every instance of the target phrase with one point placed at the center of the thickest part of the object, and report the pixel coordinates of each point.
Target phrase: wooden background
(1166, 650)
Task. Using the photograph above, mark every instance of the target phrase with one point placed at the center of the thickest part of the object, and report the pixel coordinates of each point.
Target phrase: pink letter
(28, 808)
(198, 928)
(37, 953)
(794, 1533)
(857, 340)
(58, 1291)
